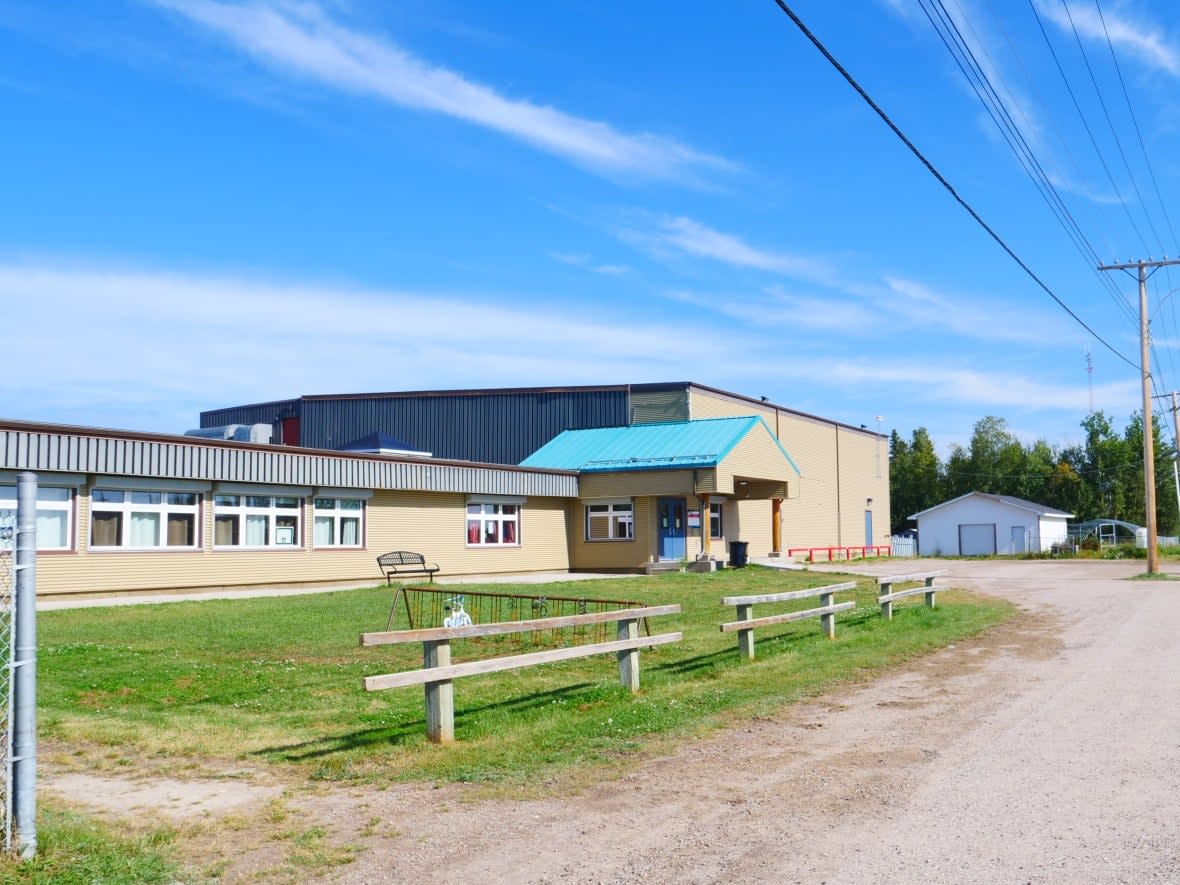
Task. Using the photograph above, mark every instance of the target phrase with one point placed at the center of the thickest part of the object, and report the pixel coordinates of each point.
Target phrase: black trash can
(739, 554)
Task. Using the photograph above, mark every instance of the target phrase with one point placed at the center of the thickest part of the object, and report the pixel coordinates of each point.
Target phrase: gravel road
(1047, 751)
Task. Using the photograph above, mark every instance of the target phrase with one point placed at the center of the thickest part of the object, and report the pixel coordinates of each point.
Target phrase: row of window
(125, 518)
(616, 521)
(147, 519)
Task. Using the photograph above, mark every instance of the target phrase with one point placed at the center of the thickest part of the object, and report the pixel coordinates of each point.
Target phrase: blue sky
(210, 203)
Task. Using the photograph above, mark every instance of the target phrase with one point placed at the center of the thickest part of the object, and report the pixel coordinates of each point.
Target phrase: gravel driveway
(1047, 751)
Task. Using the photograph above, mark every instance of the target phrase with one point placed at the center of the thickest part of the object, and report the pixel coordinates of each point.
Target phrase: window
(339, 522)
(55, 509)
(256, 521)
(716, 526)
(493, 525)
(610, 522)
(143, 519)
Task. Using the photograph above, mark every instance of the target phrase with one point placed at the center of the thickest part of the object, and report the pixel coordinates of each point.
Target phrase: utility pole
(1153, 553)
(1176, 439)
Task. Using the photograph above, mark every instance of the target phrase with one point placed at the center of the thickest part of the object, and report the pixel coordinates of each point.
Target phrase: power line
(990, 97)
(815, 41)
(1135, 121)
(1086, 125)
(1110, 123)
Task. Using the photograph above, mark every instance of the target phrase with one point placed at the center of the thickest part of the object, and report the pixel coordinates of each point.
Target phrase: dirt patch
(177, 800)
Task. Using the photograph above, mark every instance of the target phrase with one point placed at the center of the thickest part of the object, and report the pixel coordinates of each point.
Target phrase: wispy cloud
(868, 305)
(963, 315)
(684, 236)
(581, 259)
(170, 341)
(948, 384)
(302, 40)
(1144, 40)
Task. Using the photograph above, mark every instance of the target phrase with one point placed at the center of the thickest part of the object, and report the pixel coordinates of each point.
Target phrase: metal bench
(404, 562)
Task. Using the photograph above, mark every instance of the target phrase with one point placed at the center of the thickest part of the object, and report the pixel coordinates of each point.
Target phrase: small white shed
(979, 524)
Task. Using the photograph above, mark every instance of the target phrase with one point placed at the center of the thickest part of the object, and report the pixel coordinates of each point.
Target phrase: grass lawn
(277, 681)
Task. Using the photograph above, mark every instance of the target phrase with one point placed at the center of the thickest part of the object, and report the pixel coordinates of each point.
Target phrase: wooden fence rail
(746, 622)
(887, 594)
(438, 672)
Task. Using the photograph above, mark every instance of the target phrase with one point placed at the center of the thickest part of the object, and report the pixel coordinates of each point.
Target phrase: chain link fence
(7, 647)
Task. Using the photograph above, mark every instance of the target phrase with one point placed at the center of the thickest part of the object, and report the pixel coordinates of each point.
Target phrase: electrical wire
(973, 71)
(815, 41)
(1086, 125)
(1110, 124)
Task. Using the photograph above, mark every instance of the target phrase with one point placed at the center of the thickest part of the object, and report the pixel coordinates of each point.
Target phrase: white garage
(979, 524)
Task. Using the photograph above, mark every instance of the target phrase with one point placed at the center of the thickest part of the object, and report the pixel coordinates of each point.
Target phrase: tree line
(1099, 478)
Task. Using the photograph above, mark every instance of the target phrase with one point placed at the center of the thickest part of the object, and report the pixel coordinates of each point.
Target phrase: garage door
(977, 539)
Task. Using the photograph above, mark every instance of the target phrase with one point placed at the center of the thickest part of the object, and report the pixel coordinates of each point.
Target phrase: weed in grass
(74, 849)
(277, 811)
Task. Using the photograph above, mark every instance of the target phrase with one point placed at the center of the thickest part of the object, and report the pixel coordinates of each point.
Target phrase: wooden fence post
(930, 591)
(746, 637)
(440, 696)
(827, 622)
(885, 589)
(629, 659)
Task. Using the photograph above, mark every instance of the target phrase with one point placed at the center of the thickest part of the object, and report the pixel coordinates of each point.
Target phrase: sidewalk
(102, 600)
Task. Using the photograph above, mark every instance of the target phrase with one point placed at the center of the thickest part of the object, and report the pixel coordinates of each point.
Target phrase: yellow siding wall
(757, 455)
(864, 474)
(811, 519)
(613, 555)
(431, 524)
(628, 485)
(839, 467)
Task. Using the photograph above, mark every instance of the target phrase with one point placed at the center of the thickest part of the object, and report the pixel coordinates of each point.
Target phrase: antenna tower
(1090, 379)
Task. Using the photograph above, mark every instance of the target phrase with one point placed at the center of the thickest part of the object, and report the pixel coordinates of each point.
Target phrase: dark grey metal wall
(260, 413)
(486, 426)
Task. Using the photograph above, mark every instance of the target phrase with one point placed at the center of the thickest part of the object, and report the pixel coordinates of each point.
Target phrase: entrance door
(1018, 535)
(671, 528)
(978, 539)
(868, 528)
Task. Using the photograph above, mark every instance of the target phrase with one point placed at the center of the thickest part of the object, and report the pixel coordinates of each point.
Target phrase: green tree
(915, 477)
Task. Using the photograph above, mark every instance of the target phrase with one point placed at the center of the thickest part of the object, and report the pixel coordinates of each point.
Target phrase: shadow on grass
(409, 730)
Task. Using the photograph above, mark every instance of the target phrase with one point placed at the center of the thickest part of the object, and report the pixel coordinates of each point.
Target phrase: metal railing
(426, 607)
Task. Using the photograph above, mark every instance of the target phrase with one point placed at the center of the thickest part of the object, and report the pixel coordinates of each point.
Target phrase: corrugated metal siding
(48, 451)
(659, 407)
(261, 413)
(488, 427)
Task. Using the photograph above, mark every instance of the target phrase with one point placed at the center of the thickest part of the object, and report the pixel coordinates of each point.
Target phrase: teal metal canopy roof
(680, 445)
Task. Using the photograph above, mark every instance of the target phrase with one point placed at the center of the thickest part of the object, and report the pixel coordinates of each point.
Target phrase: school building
(610, 478)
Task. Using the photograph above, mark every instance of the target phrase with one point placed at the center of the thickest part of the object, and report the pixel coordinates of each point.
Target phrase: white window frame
(47, 507)
(247, 508)
(484, 514)
(717, 511)
(335, 516)
(620, 518)
(132, 504)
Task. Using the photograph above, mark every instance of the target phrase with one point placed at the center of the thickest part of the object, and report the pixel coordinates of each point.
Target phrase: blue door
(868, 528)
(671, 528)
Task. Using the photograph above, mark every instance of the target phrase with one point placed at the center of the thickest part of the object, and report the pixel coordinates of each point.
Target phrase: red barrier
(845, 552)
